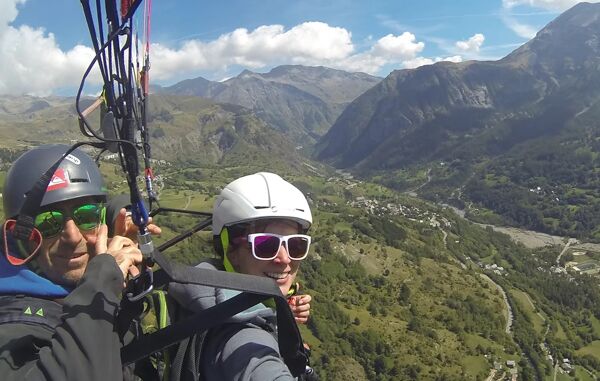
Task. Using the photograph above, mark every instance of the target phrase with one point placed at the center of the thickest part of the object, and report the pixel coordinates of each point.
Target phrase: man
(57, 311)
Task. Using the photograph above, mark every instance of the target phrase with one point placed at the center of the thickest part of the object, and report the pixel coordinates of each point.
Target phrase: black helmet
(77, 176)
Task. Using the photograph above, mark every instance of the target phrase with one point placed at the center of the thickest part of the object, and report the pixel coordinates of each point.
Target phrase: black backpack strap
(145, 370)
(128, 312)
(178, 359)
(187, 361)
(254, 290)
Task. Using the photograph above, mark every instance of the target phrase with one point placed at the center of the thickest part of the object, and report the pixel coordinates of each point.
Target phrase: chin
(285, 287)
(71, 278)
(284, 290)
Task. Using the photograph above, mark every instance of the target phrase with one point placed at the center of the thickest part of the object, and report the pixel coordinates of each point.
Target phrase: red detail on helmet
(60, 179)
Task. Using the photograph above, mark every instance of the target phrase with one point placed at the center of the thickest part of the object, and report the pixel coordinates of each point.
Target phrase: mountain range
(483, 128)
(487, 107)
(301, 101)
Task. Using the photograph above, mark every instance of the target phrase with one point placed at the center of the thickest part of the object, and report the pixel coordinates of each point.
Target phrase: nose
(282, 255)
(70, 232)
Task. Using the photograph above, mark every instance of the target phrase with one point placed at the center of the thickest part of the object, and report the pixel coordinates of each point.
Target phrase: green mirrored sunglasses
(87, 217)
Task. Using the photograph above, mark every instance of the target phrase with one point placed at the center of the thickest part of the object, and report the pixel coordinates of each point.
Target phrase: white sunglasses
(265, 246)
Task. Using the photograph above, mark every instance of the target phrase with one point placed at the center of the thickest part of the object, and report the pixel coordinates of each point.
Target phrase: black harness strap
(187, 362)
(255, 290)
(179, 359)
(174, 333)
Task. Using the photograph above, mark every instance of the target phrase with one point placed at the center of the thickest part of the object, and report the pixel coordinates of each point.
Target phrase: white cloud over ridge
(33, 62)
(309, 43)
(521, 29)
(553, 5)
(528, 31)
(420, 61)
(472, 44)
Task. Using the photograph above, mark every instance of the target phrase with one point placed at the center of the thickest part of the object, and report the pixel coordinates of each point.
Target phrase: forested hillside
(399, 292)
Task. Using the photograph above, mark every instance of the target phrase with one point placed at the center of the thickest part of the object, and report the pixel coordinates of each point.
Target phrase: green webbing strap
(225, 245)
(163, 314)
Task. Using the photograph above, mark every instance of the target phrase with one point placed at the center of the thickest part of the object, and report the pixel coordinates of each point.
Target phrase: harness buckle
(140, 285)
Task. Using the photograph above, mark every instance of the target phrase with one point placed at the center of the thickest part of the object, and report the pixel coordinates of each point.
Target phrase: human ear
(234, 257)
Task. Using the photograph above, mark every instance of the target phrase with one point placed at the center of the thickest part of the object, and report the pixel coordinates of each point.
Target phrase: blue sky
(45, 45)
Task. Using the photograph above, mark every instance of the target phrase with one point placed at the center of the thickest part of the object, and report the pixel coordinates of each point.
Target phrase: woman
(259, 228)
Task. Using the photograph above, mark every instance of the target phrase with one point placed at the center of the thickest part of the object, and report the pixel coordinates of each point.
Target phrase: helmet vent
(79, 180)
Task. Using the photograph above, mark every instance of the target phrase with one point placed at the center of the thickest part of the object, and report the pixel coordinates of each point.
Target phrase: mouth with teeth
(277, 276)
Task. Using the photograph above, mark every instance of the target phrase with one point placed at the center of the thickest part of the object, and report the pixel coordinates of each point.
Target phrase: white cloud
(417, 61)
(309, 43)
(521, 29)
(554, 5)
(528, 31)
(31, 61)
(388, 50)
(450, 59)
(8, 12)
(420, 61)
(397, 47)
(471, 45)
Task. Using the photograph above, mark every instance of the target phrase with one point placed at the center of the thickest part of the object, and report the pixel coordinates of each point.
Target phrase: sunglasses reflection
(87, 217)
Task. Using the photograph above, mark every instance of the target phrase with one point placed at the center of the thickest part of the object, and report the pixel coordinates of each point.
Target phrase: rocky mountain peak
(415, 115)
(568, 43)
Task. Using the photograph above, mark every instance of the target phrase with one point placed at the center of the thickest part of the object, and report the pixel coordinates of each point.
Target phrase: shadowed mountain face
(301, 101)
(199, 131)
(474, 109)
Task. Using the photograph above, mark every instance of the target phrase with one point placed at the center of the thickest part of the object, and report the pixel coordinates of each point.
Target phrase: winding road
(564, 250)
(509, 312)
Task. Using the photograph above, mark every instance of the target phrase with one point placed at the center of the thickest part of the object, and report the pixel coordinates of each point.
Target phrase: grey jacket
(242, 348)
(84, 344)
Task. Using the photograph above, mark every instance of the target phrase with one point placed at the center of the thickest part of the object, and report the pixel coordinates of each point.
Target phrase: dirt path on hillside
(564, 250)
(413, 192)
(538, 313)
(491, 376)
(187, 204)
(509, 312)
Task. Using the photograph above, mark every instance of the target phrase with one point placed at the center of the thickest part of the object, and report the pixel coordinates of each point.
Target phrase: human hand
(125, 227)
(124, 251)
(300, 305)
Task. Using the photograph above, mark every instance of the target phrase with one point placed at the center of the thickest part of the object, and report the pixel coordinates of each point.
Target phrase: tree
(404, 294)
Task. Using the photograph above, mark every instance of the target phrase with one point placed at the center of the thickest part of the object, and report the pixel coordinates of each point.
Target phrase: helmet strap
(293, 290)
(225, 245)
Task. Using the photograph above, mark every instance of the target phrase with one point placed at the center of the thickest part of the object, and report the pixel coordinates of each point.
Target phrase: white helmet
(259, 196)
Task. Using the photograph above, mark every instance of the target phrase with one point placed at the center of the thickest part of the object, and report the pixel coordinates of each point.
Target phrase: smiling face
(282, 269)
(64, 257)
